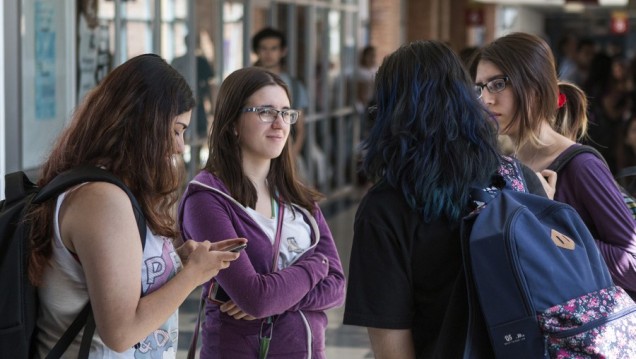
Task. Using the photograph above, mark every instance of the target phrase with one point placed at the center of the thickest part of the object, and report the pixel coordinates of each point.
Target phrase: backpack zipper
(514, 258)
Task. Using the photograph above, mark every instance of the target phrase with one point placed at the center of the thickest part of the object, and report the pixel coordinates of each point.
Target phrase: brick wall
(443, 20)
(385, 18)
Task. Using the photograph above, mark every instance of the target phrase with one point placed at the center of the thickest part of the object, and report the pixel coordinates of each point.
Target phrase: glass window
(47, 76)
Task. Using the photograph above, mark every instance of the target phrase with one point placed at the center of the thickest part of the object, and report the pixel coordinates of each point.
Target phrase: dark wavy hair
(225, 156)
(432, 138)
(125, 124)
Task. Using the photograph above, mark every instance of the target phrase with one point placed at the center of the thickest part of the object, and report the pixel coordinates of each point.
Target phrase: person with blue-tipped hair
(431, 139)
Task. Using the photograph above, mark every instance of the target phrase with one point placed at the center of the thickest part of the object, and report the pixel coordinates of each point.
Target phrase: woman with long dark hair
(278, 291)
(86, 244)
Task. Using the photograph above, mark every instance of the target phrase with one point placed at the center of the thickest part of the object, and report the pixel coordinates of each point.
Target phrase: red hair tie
(562, 100)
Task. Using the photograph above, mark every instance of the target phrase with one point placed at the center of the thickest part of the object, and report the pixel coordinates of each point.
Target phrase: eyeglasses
(269, 115)
(494, 86)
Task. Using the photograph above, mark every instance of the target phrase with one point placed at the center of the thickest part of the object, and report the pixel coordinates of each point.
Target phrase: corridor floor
(343, 341)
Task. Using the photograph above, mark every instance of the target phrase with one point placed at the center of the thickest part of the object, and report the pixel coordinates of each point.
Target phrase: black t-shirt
(408, 274)
(403, 271)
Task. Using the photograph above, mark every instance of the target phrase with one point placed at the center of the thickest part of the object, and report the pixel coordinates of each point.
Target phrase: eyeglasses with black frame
(269, 115)
(494, 86)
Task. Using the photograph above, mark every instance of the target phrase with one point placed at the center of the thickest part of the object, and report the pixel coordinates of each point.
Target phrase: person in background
(290, 272)
(86, 245)
(566, 62)
(270, 46)
(519, 86)
(204, 73)
(579, 73)
(610, 103)
(365, 74)
(626, 156)
(626, 148)
(431, 140)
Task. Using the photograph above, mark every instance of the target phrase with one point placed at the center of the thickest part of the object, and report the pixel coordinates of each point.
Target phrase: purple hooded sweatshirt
(297, 296)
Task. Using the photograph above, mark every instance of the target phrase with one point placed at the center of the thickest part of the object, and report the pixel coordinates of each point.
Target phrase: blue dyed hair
(432, 138)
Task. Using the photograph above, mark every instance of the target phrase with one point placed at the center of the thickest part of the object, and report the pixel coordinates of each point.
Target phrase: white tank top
(64, 293)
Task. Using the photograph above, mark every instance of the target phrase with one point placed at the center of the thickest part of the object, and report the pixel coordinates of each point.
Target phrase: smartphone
(217, 294)
(236, 248)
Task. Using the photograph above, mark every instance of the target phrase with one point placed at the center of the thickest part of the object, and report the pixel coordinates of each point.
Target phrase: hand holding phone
(216, 293)
(236, 248)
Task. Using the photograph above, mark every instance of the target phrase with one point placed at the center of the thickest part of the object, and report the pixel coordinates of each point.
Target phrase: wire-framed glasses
(494, 86)
(269, 115)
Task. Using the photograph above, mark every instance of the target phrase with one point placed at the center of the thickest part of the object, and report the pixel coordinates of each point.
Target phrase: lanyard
(267, 324)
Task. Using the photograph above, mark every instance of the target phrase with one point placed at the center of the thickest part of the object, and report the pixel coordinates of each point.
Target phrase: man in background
(270, 47)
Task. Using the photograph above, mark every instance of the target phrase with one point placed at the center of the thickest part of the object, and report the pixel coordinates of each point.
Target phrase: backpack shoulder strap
(54, 188)
(627, 172)
(79, 175)
(572, 152)
(17, 186)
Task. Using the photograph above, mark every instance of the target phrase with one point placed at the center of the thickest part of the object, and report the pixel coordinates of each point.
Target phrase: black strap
(87, 336)
(572, 152)
(19, 184)
(627, 172)
(78, 175)
(58, 185)
(70, 333)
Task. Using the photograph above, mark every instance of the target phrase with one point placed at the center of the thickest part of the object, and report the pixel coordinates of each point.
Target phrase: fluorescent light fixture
(574, 7)
(552, 2)
(613, 2)
(525, 2)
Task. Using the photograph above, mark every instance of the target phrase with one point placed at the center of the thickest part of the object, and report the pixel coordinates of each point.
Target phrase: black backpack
(18, 298)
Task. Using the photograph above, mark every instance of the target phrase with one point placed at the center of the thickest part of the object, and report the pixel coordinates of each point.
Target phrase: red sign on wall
(619, 23)
(475, 17)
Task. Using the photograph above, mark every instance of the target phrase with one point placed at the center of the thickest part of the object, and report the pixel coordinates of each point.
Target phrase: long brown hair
(225, 153)
(529, 63)
(124, 125)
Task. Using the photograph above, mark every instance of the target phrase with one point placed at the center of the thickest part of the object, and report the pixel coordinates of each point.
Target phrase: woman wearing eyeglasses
(278, 292)
(515, 78)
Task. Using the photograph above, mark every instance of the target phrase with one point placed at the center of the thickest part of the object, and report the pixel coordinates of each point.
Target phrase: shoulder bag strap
(195, 337)
(59, 184)
(267, 324)
(279, 229)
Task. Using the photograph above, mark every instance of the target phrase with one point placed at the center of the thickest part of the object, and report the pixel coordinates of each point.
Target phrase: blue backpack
(537, 284)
